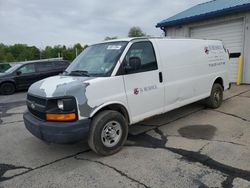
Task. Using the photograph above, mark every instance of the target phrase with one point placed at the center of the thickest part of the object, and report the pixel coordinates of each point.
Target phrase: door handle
(160, 77)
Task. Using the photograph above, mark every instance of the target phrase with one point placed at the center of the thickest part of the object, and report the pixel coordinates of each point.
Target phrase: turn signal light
(61, 117)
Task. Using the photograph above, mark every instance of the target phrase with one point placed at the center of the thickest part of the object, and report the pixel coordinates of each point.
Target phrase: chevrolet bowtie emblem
(32, 105)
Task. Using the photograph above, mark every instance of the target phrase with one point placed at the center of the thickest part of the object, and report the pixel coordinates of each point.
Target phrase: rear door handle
(160, 77)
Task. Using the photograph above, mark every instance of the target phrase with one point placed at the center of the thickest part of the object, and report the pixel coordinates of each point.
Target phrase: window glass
(60, 64)
(29, 68)
(145, 52)
(13, 68)
(44, 66)
(97, 60)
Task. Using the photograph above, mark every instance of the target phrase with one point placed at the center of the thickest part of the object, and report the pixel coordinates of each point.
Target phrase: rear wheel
(108, 132)
(216, 96)
(7, 88)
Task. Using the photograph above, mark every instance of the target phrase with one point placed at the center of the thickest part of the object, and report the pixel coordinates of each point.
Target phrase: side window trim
(121, 70)
(52, 66)
(19, 69)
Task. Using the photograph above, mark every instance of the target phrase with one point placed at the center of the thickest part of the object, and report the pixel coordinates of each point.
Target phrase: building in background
(226, 20)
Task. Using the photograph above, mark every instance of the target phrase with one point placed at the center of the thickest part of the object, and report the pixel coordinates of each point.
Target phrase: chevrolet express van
(115, 84)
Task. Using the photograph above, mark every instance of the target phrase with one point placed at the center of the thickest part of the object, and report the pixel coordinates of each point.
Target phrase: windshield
(97, 60)
(13, 68)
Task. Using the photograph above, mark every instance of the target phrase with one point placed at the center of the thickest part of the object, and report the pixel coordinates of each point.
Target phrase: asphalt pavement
(189, 147)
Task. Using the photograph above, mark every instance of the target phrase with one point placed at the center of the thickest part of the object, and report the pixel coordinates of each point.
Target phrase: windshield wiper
(79, 73)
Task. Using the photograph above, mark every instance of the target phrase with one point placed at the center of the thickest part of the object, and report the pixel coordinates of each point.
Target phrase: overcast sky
(51, 22)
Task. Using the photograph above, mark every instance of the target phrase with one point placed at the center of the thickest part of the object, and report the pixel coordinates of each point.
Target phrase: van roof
(149, 38)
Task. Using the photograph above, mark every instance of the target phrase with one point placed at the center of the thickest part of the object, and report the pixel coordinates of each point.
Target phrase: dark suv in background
(21, 75)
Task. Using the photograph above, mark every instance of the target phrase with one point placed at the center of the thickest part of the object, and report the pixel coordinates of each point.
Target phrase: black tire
(7, 88)
(96, 138)
(216, 97)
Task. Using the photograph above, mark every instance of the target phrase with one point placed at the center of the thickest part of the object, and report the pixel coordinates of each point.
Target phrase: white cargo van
(114, 84)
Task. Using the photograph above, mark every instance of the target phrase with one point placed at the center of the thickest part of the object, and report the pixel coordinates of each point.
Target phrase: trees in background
(18, 52)
(62, 51)
(136, 32)
(23, 52)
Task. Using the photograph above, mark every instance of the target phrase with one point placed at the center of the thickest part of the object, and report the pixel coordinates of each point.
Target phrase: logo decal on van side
(206, 50)
(136, 91)
(213, 49)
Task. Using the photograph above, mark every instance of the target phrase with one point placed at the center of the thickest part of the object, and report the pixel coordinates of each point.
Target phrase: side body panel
(189, 72)
(190, 68)
(145, 93)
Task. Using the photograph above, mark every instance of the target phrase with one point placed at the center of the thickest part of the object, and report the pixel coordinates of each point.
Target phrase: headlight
(60, 104)
(61, 109)
(67, 104)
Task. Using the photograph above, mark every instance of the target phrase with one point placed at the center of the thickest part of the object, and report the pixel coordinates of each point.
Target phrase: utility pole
(40, 49)
(76, 52)
(40, 53)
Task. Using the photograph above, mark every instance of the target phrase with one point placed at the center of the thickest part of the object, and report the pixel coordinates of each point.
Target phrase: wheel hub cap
(111, 133)
(217, 96)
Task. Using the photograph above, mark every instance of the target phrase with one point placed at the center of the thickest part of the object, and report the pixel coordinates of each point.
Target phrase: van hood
(59, 86)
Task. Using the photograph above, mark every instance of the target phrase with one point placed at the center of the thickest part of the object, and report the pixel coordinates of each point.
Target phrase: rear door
(144, 87)
(45, 69)
(60, 66)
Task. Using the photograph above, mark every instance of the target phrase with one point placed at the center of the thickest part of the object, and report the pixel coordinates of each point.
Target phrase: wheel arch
(219, 80)
(8, 81)
(116, 106)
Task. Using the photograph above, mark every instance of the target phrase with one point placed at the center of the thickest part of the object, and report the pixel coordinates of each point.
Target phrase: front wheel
(7, 88)
(108, 132)
(216, 97)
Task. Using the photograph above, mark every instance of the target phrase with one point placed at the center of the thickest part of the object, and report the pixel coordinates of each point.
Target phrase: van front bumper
(57, 132)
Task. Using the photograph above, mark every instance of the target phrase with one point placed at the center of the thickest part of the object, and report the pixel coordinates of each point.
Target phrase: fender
(8, 80)
(220, 77)
(107, 104)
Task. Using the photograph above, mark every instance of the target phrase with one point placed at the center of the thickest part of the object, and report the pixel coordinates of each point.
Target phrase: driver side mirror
(134, 65)
(18, 73)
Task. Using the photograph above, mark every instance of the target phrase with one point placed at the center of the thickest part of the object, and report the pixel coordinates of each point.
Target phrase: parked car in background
(21, 75)
(4, 67)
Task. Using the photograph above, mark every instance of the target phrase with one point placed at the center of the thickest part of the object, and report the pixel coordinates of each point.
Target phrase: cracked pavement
(188, 147)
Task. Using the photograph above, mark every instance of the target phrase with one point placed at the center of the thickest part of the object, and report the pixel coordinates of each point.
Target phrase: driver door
(143, 82)
(26, 75)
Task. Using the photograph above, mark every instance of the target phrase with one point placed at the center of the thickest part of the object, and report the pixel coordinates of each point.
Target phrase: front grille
(37, 100)
(40, 115)
(37, 106)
